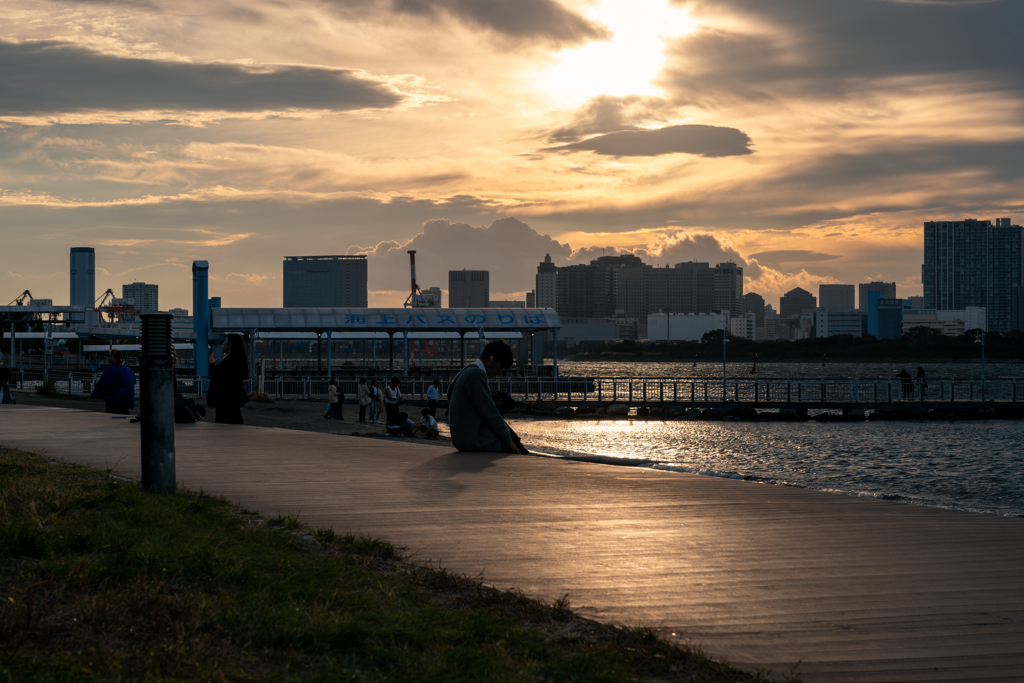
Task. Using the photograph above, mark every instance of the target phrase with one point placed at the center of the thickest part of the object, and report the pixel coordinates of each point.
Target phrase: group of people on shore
(474, 416)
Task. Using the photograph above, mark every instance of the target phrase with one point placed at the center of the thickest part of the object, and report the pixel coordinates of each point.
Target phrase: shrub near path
(103, 582)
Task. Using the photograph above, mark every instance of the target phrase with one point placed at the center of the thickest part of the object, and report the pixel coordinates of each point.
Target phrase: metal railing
(642, 391)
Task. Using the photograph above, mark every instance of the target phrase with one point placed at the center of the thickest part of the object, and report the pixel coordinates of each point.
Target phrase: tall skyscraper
(586, 291)
(83, 281)
(796, 301)
(1017, 308)
(888, 290)
(729, 288)
(469, 288)
(325, 281)
(973, 263)
(547, 284)
(836, 298)
(754, 303)
(147, 297)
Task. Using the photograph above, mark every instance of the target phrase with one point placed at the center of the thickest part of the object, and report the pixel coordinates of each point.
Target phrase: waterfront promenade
(764, 576)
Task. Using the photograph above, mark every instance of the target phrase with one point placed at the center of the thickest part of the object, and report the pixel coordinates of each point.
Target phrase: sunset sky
(807, 139)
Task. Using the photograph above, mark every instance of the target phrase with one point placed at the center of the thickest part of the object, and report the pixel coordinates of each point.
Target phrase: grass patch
(104, 582)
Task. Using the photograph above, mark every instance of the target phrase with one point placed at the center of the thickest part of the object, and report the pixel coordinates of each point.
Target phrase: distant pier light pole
(725, 340)
(156, 389)
(980, 339)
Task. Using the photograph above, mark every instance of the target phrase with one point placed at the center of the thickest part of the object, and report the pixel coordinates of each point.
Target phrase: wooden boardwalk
(765, 576)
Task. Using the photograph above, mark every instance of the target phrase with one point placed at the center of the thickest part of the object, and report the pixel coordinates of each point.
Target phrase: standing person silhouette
(226, 393)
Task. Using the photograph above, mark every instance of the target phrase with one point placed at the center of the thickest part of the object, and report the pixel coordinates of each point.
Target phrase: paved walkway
(765, 576)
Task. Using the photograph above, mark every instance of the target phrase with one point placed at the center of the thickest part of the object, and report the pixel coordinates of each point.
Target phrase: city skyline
(807, 141)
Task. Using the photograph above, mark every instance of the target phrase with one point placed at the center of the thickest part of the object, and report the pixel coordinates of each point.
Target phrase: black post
(391, 353)
(156, 388)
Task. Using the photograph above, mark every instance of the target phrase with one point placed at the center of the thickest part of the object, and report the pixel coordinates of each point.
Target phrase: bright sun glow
(624, 65)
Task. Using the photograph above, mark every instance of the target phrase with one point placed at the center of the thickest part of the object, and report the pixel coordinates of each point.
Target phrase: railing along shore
(637, 391)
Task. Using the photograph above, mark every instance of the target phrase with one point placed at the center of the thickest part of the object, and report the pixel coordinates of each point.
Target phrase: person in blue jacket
(116, 385)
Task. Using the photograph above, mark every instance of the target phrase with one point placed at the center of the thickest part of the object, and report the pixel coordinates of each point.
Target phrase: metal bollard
(156, 391)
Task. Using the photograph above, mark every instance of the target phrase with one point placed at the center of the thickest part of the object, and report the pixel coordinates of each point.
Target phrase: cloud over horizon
(705, 141)
(54, 77)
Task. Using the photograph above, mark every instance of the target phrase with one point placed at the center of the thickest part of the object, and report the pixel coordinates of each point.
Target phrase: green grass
(103, 582)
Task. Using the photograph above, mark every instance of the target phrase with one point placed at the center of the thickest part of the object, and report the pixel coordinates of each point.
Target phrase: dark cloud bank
(707, 141)
(51, 77)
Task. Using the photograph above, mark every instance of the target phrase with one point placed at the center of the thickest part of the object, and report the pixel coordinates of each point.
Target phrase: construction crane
(416, 299)
(115, 310)
(20, 299)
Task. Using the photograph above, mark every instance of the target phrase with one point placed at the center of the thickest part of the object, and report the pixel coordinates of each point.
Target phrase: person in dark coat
(226, 393)
(116, 385)
(922, 381)
(474, 418)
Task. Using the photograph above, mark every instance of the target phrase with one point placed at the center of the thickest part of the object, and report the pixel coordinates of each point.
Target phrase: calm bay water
(775, 370)
(975, 466)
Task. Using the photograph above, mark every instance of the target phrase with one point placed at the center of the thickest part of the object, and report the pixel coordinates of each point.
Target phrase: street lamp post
(980, 339)
(725, 340)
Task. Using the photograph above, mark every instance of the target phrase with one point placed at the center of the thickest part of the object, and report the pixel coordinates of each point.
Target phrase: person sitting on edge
(5, 390)
(427, 425)
(116, 385)
(475, 421)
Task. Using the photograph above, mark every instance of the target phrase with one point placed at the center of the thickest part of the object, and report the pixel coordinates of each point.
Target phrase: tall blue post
(201, 316)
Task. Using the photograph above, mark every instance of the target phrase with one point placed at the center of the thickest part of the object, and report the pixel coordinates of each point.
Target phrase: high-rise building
(687, 287)
(531, 300)
(754, 303)
(795, 302)
(179, 312)
(973, 263)
(469, 288)
(836, 298)
(147, 297)
(83, 281)
(1017, 308)
(888, 290)
(325, 281)
(547, 284)
(729, 288)
(890, 318)
(585, 291)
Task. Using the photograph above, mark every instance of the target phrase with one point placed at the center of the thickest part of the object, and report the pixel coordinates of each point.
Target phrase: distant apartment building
(83, 283)
(754, 303)
(836, 298)
(179, 312)
(771, 322)
(325, 281)
(829, 324)
(146, 297)
(949, 322)
(1017, 308)
(687, 287)
(916, 302)
(431, 296)
(469, 288)
(744, 326)
(887, 290)
(585, 291)
(890, 318)
(531, 300)
(973, 263)
(546, 284)
(729, 288)
(795, 302)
